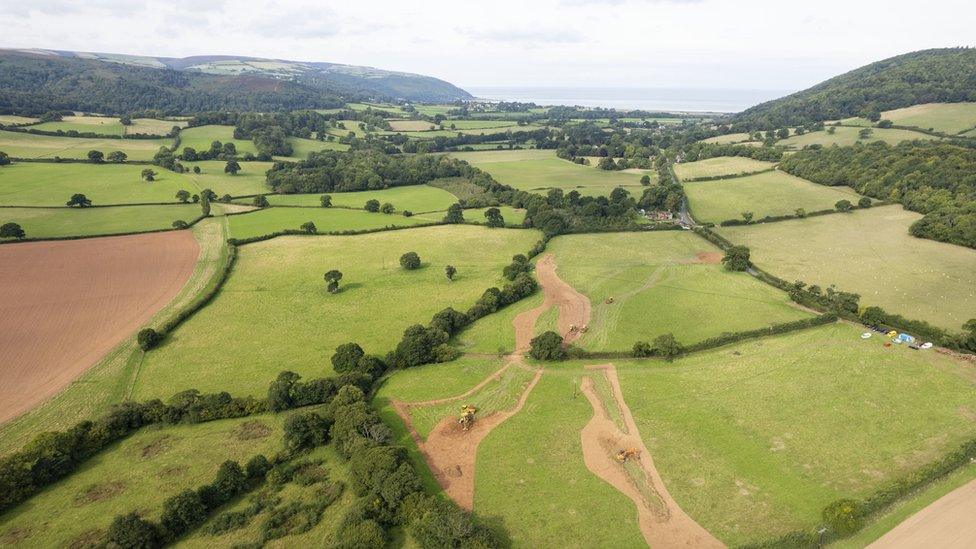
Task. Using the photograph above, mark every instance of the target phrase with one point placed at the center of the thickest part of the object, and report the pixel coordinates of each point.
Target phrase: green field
(57, 222)
(274, 312)
(720, 166)
(301, 147)
(96, 124)
(416, 198)
(136, 474)
(201, 137)
(250, 180)
(271, 220)
(950, 118)
(447, 132)
(13, 119)
(659, 285)
(47, 184)
(538, 171)
(728, 138)
(152, 126)
(846, 136)
(754, 440)
(350, 126)
(25, 145)
(870, 252)
(768, 193)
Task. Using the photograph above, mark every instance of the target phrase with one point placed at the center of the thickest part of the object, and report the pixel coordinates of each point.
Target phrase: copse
(387, 208)
(117, 157)
(844, 205)
(493, 217)
(372, 205)
(96, 157)
(410, 261)
(455, 214)
(547, 346)
(12, 230)
(736, 258)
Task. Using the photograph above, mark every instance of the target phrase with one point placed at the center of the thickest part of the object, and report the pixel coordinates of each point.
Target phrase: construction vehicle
(573, 328)
(624, 455)
(466, 419)
(584, 329)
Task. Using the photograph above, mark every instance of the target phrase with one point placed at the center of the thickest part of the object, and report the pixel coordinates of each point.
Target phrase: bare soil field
(947, 523)
(65, 304)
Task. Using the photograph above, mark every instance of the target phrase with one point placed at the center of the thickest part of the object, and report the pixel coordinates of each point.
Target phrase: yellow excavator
(624, 455)
(466, 418)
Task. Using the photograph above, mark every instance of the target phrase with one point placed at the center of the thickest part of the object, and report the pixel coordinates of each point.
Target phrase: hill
(946, 75)
(35, 81)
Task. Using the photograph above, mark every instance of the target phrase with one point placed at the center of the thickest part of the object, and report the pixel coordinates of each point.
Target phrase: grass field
(201, 137)
(25, 145)
(250, 180)
(728, 138)
(152, 126)
(538, 171)
(350, 126)
(494, 333)
(270, 220)
(301, 147)
(720, 166)
(47, 184)
(448, 132)
(14, 119)
(97, 124)
(416, 198)
(846, 136)
(950, 118)
(768, 193)
(411, 125)
(659, 285)
(136, 474)
(753, 440)
(870, 252)
(277, 285)
(57, 222)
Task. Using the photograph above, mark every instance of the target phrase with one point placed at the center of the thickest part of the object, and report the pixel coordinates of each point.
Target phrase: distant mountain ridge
(926, 76)
(33, 80)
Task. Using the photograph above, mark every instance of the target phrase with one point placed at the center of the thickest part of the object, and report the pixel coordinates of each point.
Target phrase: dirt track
(65, 304)
(947, 523)
(661, 520)
(574, 307)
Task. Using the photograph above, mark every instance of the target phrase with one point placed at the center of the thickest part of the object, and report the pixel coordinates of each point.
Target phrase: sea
(648, 99)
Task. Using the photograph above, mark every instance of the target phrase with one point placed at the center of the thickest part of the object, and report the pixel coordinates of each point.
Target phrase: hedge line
(176, 203)
(80, 135)
(718, 177)
(202, 300)
(59, 160)
(84, 236)
(786, 217)
(295, 232)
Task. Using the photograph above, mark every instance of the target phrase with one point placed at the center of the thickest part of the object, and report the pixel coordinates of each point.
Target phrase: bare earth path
(947, 523)
(65, 304)
(661, 520)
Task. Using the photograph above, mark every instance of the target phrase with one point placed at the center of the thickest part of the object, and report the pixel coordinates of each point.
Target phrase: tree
(844, 205)
(257, 467)
(387, 208)
(183, 196)
(346, 357)
(843, 516)
(547, 346)
(885, 123)
(372, 205)
(326, 201)
(148, 338)
(306, 430)
(96, 157)
(4, 159)
(196, 169)
(79, 200)
(332, 278)
(494, 218)
(208, 194)
(606, 163)
(864, 133)
(864, 202)
(645, 180)
(182, 511)
(230, 480)
(450, 271)
(205, 206)
(308, 227)
(195, 198)
(132, 532)
(800, 212)
(642, 349)
(782, 133)
(454, 214)
(666, 345)
(148, 174)
(117, 157)
(180, 224)
(125, 120)
(736, 258)
(747, 216)
(12, 230)
(410, 261)
(190, 154)
(261, 201)
(232, 167)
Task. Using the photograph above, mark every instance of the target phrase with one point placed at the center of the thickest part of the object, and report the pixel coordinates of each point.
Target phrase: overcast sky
(750, 44)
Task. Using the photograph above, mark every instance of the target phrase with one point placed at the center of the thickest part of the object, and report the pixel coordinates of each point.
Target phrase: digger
(624, 455)
(466, 418)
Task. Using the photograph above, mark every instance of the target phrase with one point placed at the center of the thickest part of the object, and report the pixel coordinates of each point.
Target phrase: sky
(727, 44)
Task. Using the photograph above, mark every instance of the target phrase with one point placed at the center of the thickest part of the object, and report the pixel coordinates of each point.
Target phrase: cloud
(311, 22)
(575, 3)
(525, 36)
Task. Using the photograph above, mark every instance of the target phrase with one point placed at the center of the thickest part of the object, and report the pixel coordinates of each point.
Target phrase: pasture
(728, 138)
(949, 118)
(136, 474)
(870, 252)
(25, 145)
(301, 147)
(660, 282)
(152, 126)
(250, 180)
(538, 171)
(753, 440)
(277, 286)
(271, 220)
(59, 222)
(411, 125)
(415, 198)
(14, 120)
(103, 125)
(845, 136)
(200, 138)
(720, 166)
(49, 184)
(768, 193)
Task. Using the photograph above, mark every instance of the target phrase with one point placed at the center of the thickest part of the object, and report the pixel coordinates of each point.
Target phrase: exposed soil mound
(252, 430)
(99, 492)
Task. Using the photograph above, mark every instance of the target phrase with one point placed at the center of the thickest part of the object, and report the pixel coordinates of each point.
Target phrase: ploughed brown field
(65, 304)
